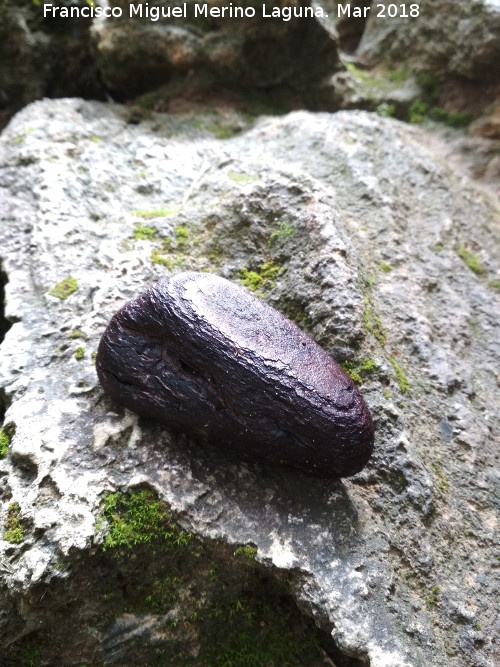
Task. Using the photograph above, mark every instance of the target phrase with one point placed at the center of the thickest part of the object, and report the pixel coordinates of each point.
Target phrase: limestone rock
(351, 227)
(135, 55)
(43, 57)
(445, 38)
(488, 126)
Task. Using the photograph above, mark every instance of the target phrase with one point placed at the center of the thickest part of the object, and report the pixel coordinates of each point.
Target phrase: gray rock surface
(353, 88)
(256, 64)
(348, 21)
(446, 38)
(344, 222)
(136, 54)
(43, 57)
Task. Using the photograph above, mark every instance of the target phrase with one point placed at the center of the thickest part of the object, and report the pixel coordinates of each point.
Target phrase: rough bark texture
(204, 356)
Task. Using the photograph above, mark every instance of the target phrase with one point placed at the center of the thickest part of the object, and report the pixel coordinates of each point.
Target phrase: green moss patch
(170, 252)
(181, 235)
(171, 255)
(373, 324)
(397, 75)
(359, 371)
(220, 605)
(144, 233)
(418, 111)
(139, 518)
(158, 257)
(224, 130)
(402, 380)
(6, 434)
(170, 262)
(247, 551)
(284, 231)
(65, 288)
(79, 353)
(450, 118)
(367, 78)
(471, 260)
(428, 105)
(14, 532)
(386, 110)
(257, 280)
(258, 638)
(443, 482)
(242, 179)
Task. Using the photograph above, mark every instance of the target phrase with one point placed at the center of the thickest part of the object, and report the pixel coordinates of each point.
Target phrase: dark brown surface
(203, 355)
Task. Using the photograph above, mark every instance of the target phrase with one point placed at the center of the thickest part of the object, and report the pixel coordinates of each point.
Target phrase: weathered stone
(441, 56)
(349, 225)
(202, 355)
(135, 55)
(191, 58)
(353, 88)
(41, 58)
(488, 126)
(444, 38)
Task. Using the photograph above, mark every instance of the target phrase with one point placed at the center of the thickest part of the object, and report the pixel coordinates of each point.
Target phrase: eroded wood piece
(204, 356)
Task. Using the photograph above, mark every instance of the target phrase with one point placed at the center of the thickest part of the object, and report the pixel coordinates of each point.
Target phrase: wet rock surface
(350, 227)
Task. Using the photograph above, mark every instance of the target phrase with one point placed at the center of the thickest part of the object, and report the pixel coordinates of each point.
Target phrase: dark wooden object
(206, 357)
